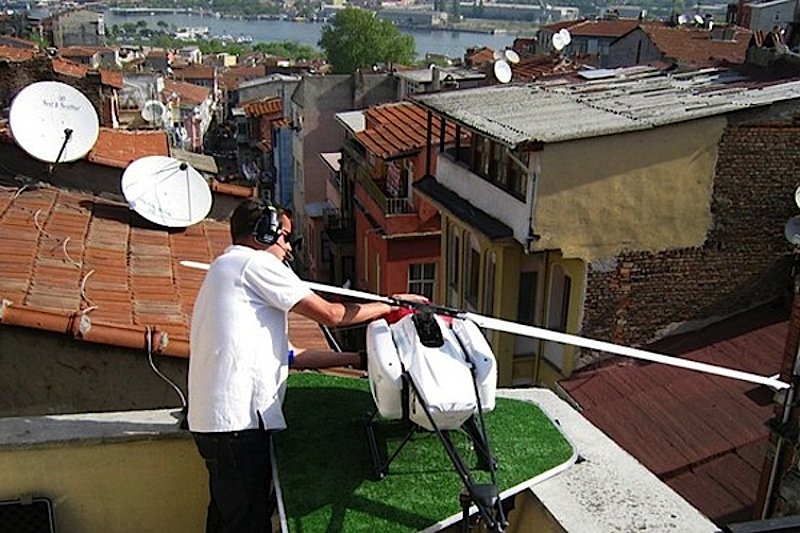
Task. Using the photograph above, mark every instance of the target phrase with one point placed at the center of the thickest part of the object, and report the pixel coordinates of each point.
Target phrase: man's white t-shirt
(239, 342)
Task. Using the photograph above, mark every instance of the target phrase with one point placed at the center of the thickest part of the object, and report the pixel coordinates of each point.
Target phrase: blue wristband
(291, 357)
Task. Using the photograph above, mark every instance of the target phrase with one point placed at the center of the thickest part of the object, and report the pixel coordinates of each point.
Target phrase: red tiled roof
(704, 435)
(480, 57)
(195, 72)
(560, 25)
(119, 148)
(189, 92)
(68, 68)
(266, 106)
(16, 54)
(77, 51)
(695, 47)
(112, 78)
(17, 42)
(232, 77)
(93, 270)
(602, 28)
(534, 67)
(399, 128)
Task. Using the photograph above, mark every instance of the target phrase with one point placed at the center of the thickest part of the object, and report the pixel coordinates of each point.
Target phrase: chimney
(435, 82)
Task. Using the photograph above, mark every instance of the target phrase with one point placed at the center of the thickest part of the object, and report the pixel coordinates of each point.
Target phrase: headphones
(268, 227)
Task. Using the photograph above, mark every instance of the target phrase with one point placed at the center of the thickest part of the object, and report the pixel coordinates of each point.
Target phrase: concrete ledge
(90, 428)
(608, 490)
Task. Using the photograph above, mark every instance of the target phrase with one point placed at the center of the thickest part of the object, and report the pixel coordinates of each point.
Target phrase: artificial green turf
(326, 472)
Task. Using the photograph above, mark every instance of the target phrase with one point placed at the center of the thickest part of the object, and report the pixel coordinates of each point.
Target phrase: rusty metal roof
(705, 436)
(625, 99)
(92, 269)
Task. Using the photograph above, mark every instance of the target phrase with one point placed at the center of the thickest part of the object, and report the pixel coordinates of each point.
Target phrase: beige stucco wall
(146, 485)
(648, 190)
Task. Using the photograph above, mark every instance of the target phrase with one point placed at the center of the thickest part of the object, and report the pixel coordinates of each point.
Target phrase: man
(238, 364)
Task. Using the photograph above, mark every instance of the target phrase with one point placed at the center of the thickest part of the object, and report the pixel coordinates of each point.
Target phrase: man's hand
(411, 297)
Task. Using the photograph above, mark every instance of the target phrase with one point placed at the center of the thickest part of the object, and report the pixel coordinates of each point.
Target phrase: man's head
(263, 226)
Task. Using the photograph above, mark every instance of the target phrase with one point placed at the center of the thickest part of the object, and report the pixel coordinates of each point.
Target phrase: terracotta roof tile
(691, 429)
(68, 68)
(266, 106)
(94, 270)
(232, 77)
(16, 54)
(195, 72)
(399, 128)
(77, 51)
(602, 28)
(112, 78)
(692, 46)
(189, 92)
(119, 148)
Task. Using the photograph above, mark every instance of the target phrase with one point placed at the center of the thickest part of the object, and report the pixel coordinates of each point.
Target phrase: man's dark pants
(239, 476)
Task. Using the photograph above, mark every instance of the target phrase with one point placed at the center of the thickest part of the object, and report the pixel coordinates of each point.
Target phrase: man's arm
(335, 314)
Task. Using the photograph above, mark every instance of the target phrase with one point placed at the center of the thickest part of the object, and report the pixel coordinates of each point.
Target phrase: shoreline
(149, 12)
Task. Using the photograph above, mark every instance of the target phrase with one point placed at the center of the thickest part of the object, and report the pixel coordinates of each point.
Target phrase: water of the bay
(449, 43)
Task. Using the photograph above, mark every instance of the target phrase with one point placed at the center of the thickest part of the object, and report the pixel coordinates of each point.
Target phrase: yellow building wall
(648, 190)
(155, 485)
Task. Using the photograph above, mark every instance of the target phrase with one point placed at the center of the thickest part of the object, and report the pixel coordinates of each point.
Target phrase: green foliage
(356, 38)
(288, 50)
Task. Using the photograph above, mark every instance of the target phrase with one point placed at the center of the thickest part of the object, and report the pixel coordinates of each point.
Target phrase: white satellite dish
(166, 191)
(558, 42)
(565, 35)
(698, 19)
(797, 196)
(511, 56)
(683, 19)
(502, 71)
(792, 230)
(153, 111)
(53, 122)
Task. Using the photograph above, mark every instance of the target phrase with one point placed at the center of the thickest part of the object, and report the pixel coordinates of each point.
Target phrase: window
(488, 286)
(526, 305)
(472, 267)
(505, 168)
(422, 279)
(453, 266)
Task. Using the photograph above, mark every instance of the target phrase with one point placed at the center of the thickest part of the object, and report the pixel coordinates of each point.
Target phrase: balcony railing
(389, 206)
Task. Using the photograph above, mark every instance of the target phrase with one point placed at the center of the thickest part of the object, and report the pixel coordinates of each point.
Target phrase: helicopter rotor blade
(549, 335)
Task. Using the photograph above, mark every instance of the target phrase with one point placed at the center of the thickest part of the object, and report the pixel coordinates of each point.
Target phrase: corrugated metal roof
(636, 98)
(705, 436)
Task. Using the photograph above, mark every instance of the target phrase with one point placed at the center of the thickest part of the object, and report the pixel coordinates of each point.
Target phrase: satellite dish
(792, 230)
(511, 56)
(558, 42)
(698, 19)
(502, 71)
(565, 35)
(497, 55)
(166, 191)
(53, 122)
(683, 19)
(153, 111)
(797, 196)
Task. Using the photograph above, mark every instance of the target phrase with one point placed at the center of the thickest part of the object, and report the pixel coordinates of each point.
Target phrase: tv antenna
(153, 111)
(166, 191)
(53, 122)
(561, 39)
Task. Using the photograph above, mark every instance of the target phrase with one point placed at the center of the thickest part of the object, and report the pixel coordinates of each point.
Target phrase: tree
(356, 38)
